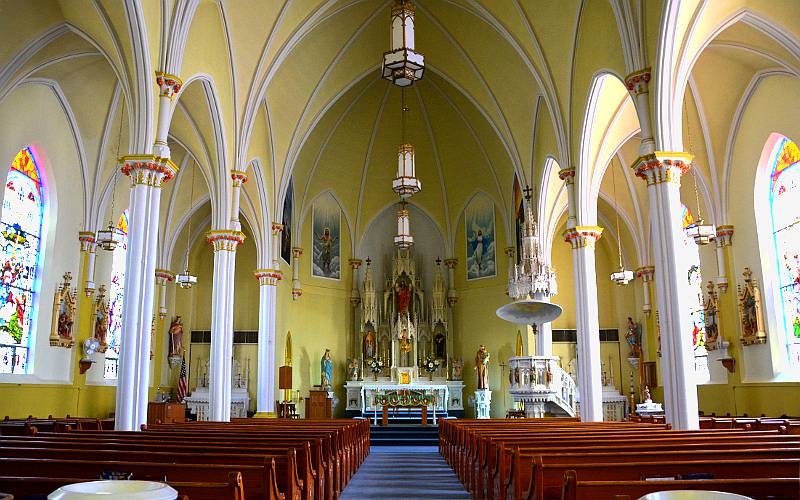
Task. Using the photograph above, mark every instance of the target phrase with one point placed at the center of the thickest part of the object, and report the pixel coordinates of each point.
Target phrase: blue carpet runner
(404, 472)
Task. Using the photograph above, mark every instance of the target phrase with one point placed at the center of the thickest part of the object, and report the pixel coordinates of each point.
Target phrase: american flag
(182, 381)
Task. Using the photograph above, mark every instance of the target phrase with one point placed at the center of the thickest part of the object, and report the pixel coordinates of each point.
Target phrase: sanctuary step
(405, 416)
(404, 435)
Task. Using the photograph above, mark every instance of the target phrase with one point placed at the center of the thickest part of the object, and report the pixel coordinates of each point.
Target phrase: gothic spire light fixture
(111, 236)
(701, 233)
(403, 239)
(623, 276)
(403, 65)
(532, 276)
(187, 280)
(406, 183)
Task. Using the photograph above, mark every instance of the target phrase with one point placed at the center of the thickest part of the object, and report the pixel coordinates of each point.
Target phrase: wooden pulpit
(166, 413)
(319, 405)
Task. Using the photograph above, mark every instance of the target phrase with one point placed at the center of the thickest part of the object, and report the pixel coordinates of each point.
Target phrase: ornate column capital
(355, 263)
(225, 239)
(238, 177)
(297, 252)
(168, 85)
(646, 273)
(662, 166)
(150, 170)
(724, 236)
(166, 275)
(268, 276)
(88, 240)
(567, 175)
(583, 236)
(277, 228)
(450, 263)
(637, 81)
(510, 252)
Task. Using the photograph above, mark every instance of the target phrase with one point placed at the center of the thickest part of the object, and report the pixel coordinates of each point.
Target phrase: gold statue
(482, 367)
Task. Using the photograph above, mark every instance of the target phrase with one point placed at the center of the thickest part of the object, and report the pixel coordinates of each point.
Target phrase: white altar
(447, 393)
(198, 401)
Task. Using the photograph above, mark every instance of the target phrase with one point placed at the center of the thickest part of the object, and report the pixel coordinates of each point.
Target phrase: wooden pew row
(283, 475)
(36, 485)
(158, 471)
(758, 488)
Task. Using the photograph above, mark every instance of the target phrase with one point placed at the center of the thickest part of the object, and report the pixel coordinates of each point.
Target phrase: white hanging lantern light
(110, 237)
(185, 279)
(403, 239)
(622, 277)
(700, 232)
(406, 183)
(403, 65)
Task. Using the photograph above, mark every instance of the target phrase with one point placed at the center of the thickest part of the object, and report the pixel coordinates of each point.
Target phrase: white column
(267, 300)
(89, 246)
(225, 243)
(147, 173)
(297, 288)
(663, 171)
(168, 86)
(646, 273)
(452, 300)
(637, 86)
(723, 241)
(238, 178)
(355, 301)
(568, 176)
(582, 239)
(163, 276)
(544, 332)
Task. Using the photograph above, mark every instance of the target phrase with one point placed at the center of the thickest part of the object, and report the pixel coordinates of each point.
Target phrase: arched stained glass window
(691, 258)
(20, 245)
(116, 298)
(785, 214)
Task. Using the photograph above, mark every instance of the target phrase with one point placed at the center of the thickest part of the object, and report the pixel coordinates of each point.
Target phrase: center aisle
(407, 472)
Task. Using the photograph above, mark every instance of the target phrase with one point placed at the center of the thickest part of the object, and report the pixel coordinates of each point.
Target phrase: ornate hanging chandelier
(110, 237)
(532, 276)
(187, 280)
(701, 232)
(403, 239)
(406, 183)
(403, 65)
(623, 276)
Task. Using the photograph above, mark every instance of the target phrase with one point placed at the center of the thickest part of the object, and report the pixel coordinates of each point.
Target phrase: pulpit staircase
(542, 386)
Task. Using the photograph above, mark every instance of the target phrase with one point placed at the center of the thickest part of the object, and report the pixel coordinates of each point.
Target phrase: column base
(265, 414)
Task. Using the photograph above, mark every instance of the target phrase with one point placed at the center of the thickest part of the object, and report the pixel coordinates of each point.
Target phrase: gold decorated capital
(567, 175)
(510, 251)
(88, 240)
(583, 236)
(637, 81)
(450, 263)
(238, 177)
(165, 275)
(646, 273)
(662, 167)
(225, 240)
(168, 85)
(297, 252)
(277, 228)
(149, 170)
(724, 235)
(268, 276)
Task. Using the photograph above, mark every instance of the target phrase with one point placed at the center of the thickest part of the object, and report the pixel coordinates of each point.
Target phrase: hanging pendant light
(623, 276)
(406, 184)
(187, 280)
(112, 236)
(403, 239)
(403, 65)
(698, 230)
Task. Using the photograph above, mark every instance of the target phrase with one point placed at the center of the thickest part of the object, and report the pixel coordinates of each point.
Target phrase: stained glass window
(691, 258)
(116, 298)
(20, 232)
(784, 193)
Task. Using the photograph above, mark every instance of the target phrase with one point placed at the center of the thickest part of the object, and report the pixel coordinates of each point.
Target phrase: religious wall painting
(326, 235)
(480, 238)
(785, 215)
(286, 220)
(62, 330)
(751, 312)
(20, 245)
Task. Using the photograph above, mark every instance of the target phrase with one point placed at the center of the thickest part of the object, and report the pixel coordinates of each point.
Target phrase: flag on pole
(182, 381)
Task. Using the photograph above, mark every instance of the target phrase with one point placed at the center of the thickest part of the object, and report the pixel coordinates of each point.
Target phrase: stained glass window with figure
(785, 212)
(20, 246)
(691, 258)
(116, 299)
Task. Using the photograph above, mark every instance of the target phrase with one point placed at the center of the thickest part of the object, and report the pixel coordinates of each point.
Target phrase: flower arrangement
(375, 365)
(431, 364)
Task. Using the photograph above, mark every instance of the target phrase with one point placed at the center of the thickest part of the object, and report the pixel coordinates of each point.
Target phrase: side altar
(198, 401)
(403, 342)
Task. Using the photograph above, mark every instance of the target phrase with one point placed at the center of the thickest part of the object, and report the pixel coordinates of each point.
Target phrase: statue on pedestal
(482, 367)
(369, 344)
(352, 369)
(326, 369)
(176, 337)
(633, 339)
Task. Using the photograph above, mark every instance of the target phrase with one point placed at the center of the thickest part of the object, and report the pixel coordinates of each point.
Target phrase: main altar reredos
(403, 327)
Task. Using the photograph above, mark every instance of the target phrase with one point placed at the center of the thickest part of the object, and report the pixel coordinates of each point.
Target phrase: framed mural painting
(326, 223)
(286, 220)
(480, 238)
